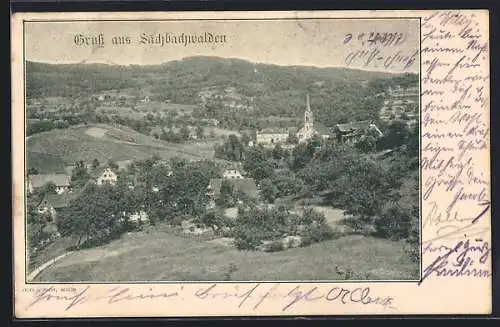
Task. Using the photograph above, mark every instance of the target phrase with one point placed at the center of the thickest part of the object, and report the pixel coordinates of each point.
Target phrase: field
(45, 163)
(56, 148)
(156, 254)
(143, 108)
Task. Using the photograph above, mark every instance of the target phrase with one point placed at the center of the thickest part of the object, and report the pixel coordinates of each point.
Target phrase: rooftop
(353, 126)
(41, 179)
(58, 201)
(273, 131)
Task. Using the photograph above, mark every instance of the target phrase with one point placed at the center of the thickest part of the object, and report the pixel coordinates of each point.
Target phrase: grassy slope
(157, 255)
(45, 163)
(74, 144)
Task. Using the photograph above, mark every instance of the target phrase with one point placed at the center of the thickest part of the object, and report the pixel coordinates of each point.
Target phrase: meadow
(54, 149)
(157, 254)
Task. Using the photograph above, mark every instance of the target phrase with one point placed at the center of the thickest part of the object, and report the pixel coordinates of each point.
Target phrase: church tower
(308, 117)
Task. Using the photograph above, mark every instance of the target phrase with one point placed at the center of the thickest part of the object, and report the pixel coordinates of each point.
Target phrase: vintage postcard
(175, 164)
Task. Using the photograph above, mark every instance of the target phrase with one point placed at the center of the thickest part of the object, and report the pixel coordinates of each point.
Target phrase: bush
(257, 225)
(275, 246)
(247, 241)
(316, 233)
(394, 222)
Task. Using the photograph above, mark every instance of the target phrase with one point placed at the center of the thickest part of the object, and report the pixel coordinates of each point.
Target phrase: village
(232, 176)
(221, 171)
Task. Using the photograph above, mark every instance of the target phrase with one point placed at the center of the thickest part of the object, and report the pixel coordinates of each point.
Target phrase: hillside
(182, 79)
(103, 142)
(158, 255)
(224, 89)
(44, 163)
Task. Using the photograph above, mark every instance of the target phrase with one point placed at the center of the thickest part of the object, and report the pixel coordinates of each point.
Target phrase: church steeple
(308, 116)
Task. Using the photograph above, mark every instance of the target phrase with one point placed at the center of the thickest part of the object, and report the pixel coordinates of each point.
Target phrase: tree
(292, 138)
(225, 198)
(366, 143)
(268, 190)
(94, 216)
(184, 133)
(113, 165)
(257, 165)
(396, 135)
(32, 171)
(200, 132)
(95, 163)
(278, 152)
(79, 175)
(235, 148)
(48, 188)
(302, 154)
(245, 139)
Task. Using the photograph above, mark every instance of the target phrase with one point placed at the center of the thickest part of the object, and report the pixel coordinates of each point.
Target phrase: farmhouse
(108, 176)
(53, 203)
(232, 174)
(307, 130)
(351, 132)
(137, 216)
(270, 136)
(401, 103)
(61, 182)
(233, 171)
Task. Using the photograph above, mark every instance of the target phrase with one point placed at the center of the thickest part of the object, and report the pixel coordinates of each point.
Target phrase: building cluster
(64, 194)
(228, 98)
(302, 133)
(402, 104)
(309, 129)
(350, 133)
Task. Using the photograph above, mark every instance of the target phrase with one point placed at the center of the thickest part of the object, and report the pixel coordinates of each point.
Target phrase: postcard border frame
(26, 282)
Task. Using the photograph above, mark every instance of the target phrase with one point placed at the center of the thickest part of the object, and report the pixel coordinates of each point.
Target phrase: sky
(312, 42)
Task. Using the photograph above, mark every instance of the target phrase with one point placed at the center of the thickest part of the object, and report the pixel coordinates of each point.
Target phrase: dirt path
(49, 263)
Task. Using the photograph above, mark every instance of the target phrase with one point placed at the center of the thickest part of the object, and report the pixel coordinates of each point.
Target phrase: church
(307, 130)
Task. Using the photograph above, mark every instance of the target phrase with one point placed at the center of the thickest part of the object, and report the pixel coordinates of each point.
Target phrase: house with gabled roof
(233, 171)
(104, 176)
(61, 181)
(351, 132)
(53, 203)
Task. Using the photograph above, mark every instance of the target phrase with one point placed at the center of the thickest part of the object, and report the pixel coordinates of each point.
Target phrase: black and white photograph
(222, 150)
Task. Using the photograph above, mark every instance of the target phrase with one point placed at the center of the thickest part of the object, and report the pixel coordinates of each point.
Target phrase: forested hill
(272, 89)
(181, 80)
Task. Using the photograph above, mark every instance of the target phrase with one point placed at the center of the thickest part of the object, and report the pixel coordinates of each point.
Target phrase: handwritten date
(386, 39)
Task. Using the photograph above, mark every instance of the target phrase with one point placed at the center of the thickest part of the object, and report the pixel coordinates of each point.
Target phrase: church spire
(308, 117)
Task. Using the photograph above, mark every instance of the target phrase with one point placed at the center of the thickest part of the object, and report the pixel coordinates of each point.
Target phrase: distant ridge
(191, 58)
(340, 94)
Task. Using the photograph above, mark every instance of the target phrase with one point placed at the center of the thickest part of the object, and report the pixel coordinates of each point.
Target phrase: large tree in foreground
(94, 215)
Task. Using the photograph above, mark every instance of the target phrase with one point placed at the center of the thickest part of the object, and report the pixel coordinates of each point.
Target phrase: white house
(108, 176)
(232, 174)
(269, 136)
